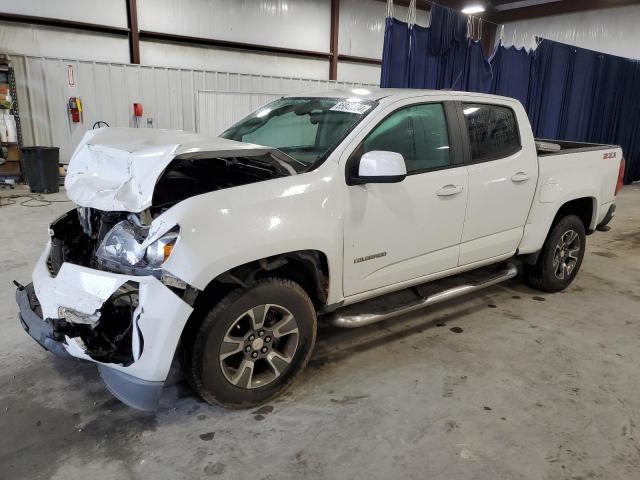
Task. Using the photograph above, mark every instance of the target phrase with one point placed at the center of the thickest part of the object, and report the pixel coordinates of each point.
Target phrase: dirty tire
(213, 380)
(542, 276)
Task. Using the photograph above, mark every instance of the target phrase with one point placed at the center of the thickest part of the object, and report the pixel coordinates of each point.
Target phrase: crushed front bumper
(157, 323)
(40, 330)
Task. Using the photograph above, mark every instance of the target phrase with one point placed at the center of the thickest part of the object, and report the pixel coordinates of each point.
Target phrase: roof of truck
(377, 93)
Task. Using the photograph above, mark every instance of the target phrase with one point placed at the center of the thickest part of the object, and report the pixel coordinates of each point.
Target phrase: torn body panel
(113, 170)
(137, 337)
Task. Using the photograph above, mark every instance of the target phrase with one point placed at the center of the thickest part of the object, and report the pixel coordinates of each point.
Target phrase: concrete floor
(507, 384)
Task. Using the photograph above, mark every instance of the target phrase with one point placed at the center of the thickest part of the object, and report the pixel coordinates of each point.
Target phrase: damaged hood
(116, 169)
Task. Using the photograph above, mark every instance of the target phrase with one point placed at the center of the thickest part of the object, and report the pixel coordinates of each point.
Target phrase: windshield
(306, 129)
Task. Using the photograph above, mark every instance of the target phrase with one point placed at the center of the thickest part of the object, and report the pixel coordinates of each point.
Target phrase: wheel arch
(307, 268)
(584, 208)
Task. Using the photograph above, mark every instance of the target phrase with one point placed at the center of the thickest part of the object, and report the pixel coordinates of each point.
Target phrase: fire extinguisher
(75, 109)
(137, 114)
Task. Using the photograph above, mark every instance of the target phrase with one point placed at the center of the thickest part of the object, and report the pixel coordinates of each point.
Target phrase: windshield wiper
(289, 158)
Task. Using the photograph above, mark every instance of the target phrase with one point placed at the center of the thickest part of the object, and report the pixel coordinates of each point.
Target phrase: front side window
(418, 132)
(306, 129)
(493, 131)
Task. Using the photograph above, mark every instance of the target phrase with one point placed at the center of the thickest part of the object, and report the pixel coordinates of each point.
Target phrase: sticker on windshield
(351, 107)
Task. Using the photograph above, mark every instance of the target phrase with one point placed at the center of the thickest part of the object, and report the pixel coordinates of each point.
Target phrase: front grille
(34, 303)
(55, 258)
(52, 272)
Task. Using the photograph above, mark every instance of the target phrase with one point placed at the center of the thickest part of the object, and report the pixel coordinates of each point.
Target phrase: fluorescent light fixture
(361, 91)
(470, 110)
(473, 9)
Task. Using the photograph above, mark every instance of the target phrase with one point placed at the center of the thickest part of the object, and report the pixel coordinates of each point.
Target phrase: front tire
(560, 258)
(253, 344)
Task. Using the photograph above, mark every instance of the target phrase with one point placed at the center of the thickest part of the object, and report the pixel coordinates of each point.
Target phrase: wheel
(252, 344)
(560, 258)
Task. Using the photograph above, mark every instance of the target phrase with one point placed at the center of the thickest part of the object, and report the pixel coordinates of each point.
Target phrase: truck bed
(545, 147)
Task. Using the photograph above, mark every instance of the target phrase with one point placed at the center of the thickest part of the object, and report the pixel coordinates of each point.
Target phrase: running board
(344, 318)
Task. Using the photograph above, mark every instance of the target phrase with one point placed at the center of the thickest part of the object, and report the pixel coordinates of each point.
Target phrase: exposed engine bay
(188, 175)
(109, 334)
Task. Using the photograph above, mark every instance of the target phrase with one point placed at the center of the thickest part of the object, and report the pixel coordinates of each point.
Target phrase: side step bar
(346, 319)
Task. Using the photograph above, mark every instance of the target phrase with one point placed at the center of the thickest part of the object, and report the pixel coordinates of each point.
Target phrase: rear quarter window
(493, 131)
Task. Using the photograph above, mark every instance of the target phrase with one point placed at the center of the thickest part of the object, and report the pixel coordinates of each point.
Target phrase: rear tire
(560, 258)
(252, 344)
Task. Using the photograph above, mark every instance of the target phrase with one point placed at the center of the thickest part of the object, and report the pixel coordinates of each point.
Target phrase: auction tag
(351, 107)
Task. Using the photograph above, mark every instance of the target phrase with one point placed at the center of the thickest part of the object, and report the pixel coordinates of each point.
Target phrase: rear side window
(418, 132)
(493, 131)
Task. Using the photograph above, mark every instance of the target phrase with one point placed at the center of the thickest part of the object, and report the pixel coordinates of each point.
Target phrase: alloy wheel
(259, 346)
(566, 254)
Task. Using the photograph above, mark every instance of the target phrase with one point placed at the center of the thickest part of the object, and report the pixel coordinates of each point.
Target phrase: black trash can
(40, 166)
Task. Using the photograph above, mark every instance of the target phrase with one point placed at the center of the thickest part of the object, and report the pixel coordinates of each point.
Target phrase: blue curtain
(511, 72)
(395, 68)
(582, 95)
(440, 56)
(569, 93)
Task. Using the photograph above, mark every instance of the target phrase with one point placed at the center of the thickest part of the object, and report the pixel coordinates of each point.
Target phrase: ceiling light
(473, 9)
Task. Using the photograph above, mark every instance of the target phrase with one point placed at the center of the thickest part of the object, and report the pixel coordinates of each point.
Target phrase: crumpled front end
(129, 324)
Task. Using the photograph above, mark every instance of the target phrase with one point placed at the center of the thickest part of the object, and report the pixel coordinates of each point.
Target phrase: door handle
(520, 177)
(449, 190)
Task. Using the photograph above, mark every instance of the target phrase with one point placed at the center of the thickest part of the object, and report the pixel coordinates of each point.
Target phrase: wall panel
(183, 56)
(112, 12)
(358, 72)
(57, 42)
(613, 30)
(108, 90)
(282, 23)
(361, 32)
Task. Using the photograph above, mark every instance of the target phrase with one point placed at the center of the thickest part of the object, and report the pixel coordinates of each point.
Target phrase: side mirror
(380, 167)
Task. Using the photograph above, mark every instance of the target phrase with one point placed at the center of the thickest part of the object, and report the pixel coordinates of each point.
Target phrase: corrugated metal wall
(287, 23)
(108, 90)
(216, 111)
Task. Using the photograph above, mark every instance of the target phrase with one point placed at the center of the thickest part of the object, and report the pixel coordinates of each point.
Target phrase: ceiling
(501, 11)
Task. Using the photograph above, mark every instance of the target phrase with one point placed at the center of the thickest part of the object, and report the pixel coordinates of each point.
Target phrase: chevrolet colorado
(223, 253)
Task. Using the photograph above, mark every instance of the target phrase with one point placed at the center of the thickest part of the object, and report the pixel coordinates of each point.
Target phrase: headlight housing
(124, 248)
(159, 251)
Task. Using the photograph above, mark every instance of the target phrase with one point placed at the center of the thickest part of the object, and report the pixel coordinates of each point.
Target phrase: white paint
(382, 164)
(419, 231)
(494, 225)
(116, 169)
(83, 289)
(611, 30)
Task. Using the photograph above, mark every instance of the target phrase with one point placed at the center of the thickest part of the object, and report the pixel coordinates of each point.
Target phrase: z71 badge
(609, 155)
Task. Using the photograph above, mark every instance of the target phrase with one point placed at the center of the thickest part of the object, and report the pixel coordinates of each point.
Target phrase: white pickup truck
(224, 253)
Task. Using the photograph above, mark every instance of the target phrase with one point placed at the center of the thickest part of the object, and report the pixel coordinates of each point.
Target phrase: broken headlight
(125, 246)
(159, 251)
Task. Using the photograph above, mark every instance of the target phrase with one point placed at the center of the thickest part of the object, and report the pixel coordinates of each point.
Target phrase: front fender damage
(128, 325)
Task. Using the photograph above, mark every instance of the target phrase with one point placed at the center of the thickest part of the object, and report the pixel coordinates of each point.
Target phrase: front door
(402, 231)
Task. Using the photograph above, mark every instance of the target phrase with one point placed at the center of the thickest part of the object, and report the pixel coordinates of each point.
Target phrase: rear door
(401, 231)
(502, 181)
